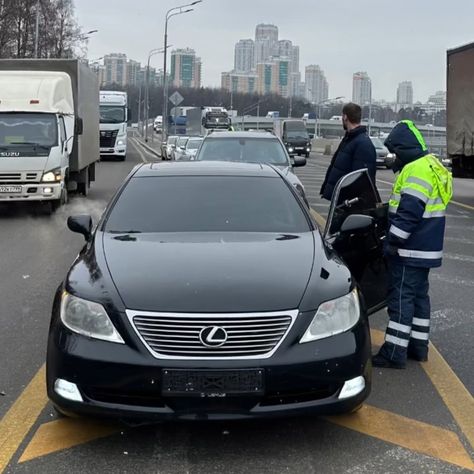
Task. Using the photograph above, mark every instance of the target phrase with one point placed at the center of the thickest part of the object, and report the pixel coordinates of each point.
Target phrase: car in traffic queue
(207, 291)
(192, 146)
(168, 146)
(158, 124)
(382, 152)
(179, 151)
(252, 147)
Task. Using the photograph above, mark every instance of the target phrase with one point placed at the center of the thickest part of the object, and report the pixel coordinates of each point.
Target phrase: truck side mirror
(79, 126)
(298, 161)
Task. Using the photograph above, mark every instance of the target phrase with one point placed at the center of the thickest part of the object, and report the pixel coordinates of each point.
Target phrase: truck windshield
(112, 114)
(17, 129)
(296, 130)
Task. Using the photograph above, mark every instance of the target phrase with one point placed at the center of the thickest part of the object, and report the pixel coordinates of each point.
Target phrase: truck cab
(113, 123)
(37, 124)
(294, 135)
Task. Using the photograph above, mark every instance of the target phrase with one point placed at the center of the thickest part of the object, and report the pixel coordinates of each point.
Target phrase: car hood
(210, 272)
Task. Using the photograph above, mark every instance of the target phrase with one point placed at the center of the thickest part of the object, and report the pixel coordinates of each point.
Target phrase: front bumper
(125, 381)
(120, 150)
(32, 192)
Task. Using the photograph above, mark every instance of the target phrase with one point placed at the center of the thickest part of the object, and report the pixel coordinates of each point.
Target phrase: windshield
(182, 141)
(377, 142)
(112, 114)
(206, 204)
(172, 140)
(296, 130)
(249, 150)
(18, 129)
(193, 144)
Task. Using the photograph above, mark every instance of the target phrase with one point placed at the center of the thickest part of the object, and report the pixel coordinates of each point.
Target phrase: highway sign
(176, 98)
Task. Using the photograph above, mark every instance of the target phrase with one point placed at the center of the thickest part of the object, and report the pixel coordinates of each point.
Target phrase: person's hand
(391, 250)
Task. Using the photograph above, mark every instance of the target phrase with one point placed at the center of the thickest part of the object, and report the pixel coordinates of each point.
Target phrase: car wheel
(357, 408)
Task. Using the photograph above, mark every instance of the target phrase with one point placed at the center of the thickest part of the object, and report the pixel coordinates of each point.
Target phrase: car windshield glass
(18, 129)
(112, 114)
(207, 204)
(181, 141)
(377, 142)
(250, 150)
(172, 140)
(193, 144)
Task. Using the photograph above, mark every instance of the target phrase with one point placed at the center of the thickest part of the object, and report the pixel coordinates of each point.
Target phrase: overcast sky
(392, 40)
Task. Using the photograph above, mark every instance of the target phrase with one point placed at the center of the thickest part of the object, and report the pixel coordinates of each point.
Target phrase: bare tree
(59, 34)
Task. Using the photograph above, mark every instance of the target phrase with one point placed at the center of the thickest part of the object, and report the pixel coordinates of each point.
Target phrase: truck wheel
(122, 157)
(307, 155)
(83, 188)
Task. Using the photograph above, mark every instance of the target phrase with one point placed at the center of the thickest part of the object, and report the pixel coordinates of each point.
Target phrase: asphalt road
(411, 423)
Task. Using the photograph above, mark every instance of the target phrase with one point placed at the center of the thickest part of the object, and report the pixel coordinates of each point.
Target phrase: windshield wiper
(37, 145)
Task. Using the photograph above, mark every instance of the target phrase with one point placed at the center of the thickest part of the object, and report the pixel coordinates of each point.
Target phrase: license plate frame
(10, 189)
(212, 383)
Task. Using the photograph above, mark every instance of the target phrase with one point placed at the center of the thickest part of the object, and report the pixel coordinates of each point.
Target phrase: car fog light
(352, 387)
(67, 390)
(47, 190)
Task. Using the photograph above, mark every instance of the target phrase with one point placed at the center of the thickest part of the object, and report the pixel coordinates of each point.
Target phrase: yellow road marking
(408, 433)
(457, 203)
(321, 221)
(453, 392)
(65, 433)
(21, 416)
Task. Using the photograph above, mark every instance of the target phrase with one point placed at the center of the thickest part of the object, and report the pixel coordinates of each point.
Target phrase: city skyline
(341, 37)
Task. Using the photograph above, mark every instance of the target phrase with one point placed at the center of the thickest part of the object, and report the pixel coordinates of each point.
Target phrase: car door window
(361, 250)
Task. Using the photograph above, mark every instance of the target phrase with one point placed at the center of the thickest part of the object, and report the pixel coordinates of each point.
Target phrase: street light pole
(147, 88)
(169, 14)
(37, 28)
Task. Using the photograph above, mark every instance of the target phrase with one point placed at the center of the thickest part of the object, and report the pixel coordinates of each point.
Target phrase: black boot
(421, 355)
(380, 361)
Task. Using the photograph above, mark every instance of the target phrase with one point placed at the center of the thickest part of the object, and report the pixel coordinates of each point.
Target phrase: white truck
(114, 115)
(49, 118)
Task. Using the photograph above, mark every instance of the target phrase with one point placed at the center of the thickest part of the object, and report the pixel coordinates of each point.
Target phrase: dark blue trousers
(408, 307)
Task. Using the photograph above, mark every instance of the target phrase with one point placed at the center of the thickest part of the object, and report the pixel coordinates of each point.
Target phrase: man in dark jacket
(355, 151)
(414, 244)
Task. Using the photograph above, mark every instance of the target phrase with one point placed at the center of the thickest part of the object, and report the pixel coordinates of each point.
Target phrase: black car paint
(128, 371)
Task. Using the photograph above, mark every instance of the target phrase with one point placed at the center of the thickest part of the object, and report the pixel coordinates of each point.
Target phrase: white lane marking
(133, 142)
(459, 240)
(452, 280)
(457, 256)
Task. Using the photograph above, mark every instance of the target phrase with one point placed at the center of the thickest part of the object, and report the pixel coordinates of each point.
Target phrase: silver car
(252, 147)
(192, 146)
(180, 148)
(382, 151)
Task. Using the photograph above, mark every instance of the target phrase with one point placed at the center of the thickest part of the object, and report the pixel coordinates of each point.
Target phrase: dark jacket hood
(406, 141)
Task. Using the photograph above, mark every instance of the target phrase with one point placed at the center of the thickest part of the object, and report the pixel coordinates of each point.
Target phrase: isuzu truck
(113, 123)
(49, 122)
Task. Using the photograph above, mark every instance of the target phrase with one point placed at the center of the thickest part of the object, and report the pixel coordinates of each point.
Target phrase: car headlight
(391, 155)
(334, 317)
(291, 149)
(120, 142)
(52, 176)
(87, 318)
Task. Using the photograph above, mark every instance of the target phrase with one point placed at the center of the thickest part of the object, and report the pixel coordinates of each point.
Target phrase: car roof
(206, 168)
(260, 135)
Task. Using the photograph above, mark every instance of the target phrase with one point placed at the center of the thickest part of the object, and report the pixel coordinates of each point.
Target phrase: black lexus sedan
(206, 291)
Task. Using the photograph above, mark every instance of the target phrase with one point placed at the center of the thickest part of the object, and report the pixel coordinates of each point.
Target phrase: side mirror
(81, 224)
(299, 161)
(356, 222)
(182, 148)
(389, 160)
(79, 126)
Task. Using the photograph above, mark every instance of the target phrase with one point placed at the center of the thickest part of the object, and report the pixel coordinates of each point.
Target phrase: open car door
(356, 229)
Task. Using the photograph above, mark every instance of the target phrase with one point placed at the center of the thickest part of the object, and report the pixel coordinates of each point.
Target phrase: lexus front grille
(212, 336)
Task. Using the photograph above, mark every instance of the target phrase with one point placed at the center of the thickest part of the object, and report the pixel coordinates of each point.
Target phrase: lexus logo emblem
(213, 336)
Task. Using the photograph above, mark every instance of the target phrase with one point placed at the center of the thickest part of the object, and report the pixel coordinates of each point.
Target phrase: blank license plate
(10, 189)
(212, 383)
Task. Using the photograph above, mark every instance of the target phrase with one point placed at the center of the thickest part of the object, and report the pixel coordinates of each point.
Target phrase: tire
(357, 408)
(83, 188)
(306, 155)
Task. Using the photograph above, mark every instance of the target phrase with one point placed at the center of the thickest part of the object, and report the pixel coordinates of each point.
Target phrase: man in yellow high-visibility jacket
(414, 244)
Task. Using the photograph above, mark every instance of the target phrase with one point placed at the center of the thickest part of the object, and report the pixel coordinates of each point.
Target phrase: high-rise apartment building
(405, 94)
(317, 87)
(115, 68)
(185, 68)
(239, 82)
(266, 42)
(361, 88)
(132, 72)
(244, 55)
(274, 77)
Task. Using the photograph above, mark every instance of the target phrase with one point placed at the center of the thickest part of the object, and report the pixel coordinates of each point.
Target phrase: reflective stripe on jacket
(417, 212)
